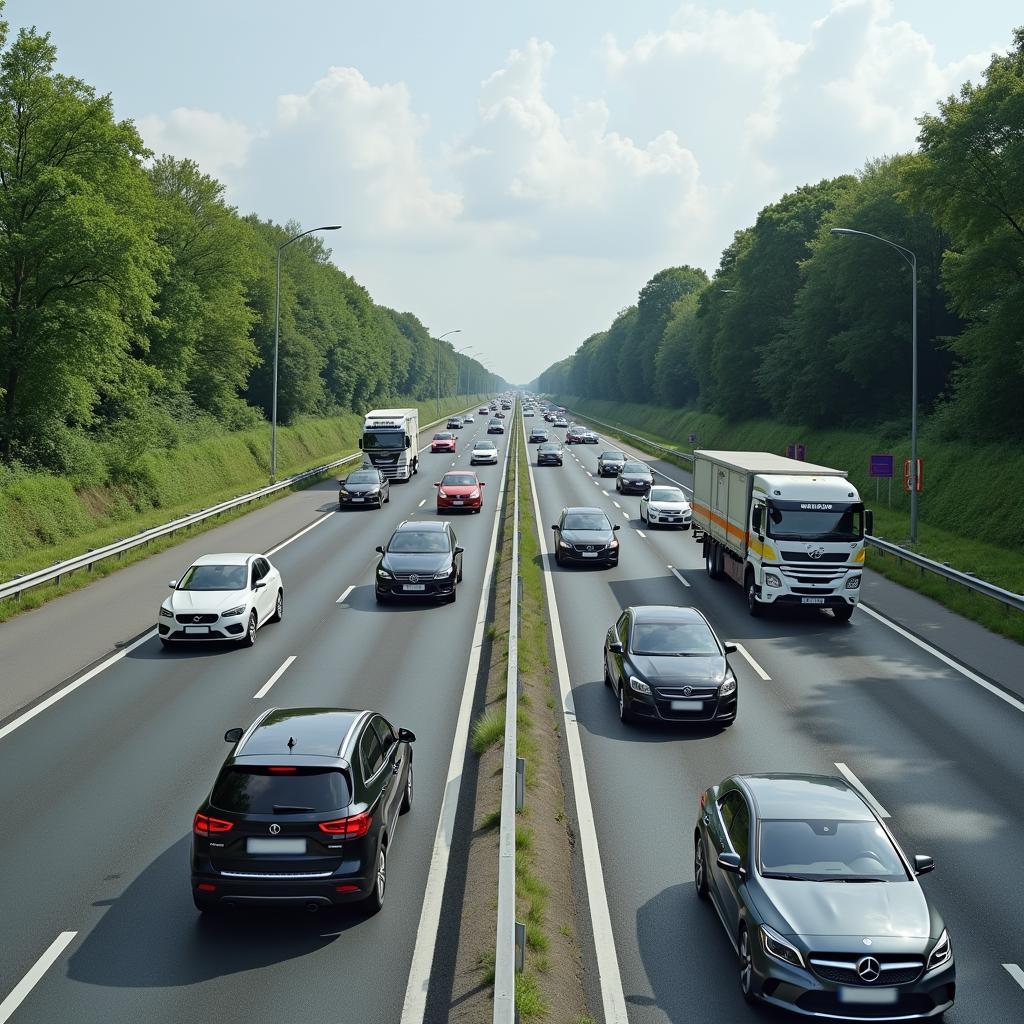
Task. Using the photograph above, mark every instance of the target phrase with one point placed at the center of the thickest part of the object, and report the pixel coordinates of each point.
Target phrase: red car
(443, 442)
(459, 491)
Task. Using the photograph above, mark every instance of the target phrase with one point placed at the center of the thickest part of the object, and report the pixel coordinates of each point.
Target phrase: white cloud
(218, 144)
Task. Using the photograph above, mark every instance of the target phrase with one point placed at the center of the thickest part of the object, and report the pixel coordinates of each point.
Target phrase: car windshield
(442, 437)
(682, 639)
(214, 577)
(586, 521)
(635, 467)
(459, 480)
(363, 476)
(550, 447)
(667, 494)
(264, 791)
(829, 521)
(613, 456)
(419, 541)
(484, 446)
(383, 440)
(820, 850)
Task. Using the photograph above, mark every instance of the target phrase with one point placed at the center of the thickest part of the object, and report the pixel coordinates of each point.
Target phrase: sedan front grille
(195, 619)
(841, 968)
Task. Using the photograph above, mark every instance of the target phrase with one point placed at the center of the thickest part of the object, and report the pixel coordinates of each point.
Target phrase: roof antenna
(291, 742)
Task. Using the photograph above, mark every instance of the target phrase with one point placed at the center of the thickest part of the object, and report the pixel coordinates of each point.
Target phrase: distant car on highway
(527, 412)
(610, 462)
(455, 422)
(589, 437)
(823, 908)
(459, 491)
(495, 427)
(574, 435)
(422, 559)
(499, 414)
(482, 411)
(443, 442)
(586, 535)
(665, 663)
(468, 418)
(362, 487)
(303, 812)
(561, 421)
(483, 452)
(634, 478)
(538, 435)
(665, 506)
(549, 454)
(222, 597)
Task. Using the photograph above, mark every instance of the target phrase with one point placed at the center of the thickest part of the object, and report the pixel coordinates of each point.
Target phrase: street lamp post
(445, 335)
(277, 338)
(911, 259)
(458, 366)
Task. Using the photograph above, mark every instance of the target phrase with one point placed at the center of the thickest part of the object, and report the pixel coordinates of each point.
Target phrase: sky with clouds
(518, 171)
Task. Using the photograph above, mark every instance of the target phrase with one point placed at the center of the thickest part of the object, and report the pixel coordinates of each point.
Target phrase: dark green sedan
(823, 908)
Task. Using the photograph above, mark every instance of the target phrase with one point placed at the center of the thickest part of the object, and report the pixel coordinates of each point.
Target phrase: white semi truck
(391, 442)
(788, 532)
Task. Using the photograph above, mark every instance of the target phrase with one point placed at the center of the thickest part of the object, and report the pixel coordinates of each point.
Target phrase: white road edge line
(750, 661)
(678, 575)
(35, 973)
(861, 788)
(301, 533)
(946, 660)
(1014, 971)
(344, 596)
(414, 1007)
(612, 998)
(265, 688)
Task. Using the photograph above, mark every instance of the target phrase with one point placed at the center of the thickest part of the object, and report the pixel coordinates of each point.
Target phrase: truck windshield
(828, 521)
(383, 440)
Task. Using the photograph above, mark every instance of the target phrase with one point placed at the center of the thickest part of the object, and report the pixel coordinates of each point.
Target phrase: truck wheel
(711, 563)
(753, 605)
(843, 612)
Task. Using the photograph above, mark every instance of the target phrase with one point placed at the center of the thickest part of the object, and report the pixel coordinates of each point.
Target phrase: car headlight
(772, 580)
(564, 544)
(233, 611)
(166, 613)
(614, 544)
(384, 574)
(942, 951)
(639, 685)
(853, 583)
(474, 494)
(729, 686)
(444, 573)
(776, 946)
(442, 494)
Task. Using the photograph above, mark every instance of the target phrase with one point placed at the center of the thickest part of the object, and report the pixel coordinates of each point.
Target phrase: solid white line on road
(753, 664)
(301, 533)
(1014, 971)
(422, 503)
(265, 688)
(946, 660)
(615, 503)
(678, 575)
(35, 972)
(414, 1007)
(861, 788)
(344, 596)
(612, 998)
(71, 687)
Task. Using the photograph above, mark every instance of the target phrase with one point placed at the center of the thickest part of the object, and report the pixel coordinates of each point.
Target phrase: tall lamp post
(277, 338)
(457, 330)
(911, 259)
(458, 366)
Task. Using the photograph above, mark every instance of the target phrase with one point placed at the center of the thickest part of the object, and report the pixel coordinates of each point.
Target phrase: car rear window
(262, 790)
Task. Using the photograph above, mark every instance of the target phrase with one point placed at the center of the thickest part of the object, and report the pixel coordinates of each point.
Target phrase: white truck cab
(390, 442)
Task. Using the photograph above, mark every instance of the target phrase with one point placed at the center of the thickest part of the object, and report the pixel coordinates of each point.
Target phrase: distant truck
(788, 532)
(390, 442)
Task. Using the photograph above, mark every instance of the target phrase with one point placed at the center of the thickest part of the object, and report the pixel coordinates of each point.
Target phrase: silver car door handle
(707, 819)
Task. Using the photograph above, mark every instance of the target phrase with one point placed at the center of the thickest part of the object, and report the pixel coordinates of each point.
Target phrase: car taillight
(353, 827)
(204, 825)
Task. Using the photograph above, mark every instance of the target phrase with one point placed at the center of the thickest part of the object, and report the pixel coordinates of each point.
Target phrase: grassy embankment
(45, 518)
(971, 515)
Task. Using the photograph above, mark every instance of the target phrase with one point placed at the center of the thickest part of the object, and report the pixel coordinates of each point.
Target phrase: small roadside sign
(913, 476)
(692, 439)
(796, 451)
(882, 466)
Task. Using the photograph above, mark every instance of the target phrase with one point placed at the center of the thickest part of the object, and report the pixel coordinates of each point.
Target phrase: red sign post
(913, 480)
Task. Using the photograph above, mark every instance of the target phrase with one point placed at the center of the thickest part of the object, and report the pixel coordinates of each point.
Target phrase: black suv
(586, 535)
(303, 811)
(610, 462)
(422, 559)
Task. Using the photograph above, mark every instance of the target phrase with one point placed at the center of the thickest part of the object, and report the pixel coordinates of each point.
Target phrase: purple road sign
(882, 466)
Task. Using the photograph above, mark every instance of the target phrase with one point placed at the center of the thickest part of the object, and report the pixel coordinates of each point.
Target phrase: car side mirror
(379, 549)
(172, 584)
(360, 442)
(555, 526)
(731, 862)
(483, 483)
(923, 864)
(729, 648)
(615, 526)
(234, 735)
(259, 584)
(437, 483)
(459, 550)
(869, 521)
(406, 736)
(342, 480)
(615, 646)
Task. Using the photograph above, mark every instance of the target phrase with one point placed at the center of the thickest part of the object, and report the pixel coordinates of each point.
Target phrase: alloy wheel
(699, 869)
(746, 967)
(250, 635)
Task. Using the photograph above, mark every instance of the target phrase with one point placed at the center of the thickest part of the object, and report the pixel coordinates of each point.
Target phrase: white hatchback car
(665, 506)
(222, 597)
(484, 452)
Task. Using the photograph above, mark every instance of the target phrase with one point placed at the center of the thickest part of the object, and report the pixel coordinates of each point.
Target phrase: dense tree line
(135, 302)
(807, 326)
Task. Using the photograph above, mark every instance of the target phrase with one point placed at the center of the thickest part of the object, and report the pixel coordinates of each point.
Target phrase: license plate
(359, 499)
(812, 600)
(458, 503)
(414, 586)
(878, 996)
(589, 554)
(687, 705)
(197, 629)
(275, 846)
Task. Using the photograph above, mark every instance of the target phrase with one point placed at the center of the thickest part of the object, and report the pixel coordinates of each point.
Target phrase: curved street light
(467, 349)
(909, 256)
(277, 338)
(457, 330)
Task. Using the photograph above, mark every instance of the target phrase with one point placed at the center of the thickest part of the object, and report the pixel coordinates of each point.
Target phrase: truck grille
(802, 556)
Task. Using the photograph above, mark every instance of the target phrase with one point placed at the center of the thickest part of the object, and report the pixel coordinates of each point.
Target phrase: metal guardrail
(17, 586)
(963, 579)
(508, 950)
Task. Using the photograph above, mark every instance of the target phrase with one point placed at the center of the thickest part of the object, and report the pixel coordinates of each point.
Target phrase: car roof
(786, 795)
(612, 451)
(315, 732)
(421, 526)
(230, 558)
(665, 613)
(584, 508)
